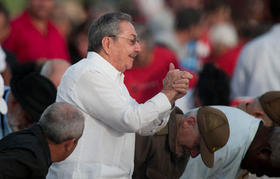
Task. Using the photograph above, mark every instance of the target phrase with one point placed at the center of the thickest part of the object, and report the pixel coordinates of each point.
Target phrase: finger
(182, 91)
(181, 81)
(180, 86)
(187, 75)
(171, 67)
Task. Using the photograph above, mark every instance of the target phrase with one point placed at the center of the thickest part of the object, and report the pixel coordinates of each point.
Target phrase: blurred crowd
(188, 33)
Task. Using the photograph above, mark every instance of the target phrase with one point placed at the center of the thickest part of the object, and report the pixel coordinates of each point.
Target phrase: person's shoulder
(19, 20)
(20, 163)
(258, 43)
(19, 139)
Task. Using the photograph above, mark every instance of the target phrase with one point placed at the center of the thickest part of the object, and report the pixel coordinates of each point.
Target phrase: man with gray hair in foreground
(30, 152)
(96, 85)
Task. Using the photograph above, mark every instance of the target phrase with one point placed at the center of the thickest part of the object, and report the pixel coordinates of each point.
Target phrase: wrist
(170, 95)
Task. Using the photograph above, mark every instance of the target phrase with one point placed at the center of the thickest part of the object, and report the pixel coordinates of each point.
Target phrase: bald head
(255, 109)
(265, 107)
(54, 70)
(61, 122)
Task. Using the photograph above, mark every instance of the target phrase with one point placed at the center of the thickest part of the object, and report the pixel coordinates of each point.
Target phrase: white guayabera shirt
(106, 148)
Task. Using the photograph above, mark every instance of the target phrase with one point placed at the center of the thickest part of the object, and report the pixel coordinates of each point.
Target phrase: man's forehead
(127, 28)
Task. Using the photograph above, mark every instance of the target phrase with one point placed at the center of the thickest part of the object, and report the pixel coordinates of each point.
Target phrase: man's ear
(68, 145)
(259, 114)
(106, 44)
(190, 121)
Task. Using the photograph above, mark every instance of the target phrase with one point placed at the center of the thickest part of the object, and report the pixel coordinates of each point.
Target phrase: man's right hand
(175, 83)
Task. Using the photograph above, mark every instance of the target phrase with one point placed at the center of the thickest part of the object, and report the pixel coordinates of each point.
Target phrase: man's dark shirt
(24, 154)
(156, 157)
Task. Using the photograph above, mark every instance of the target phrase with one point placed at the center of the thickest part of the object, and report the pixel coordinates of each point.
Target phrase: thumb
(171, 67)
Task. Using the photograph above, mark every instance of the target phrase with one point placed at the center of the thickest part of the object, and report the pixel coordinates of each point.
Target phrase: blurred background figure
(4, 30)
(224, 38)
(7, 59)
(33, 36)
(186, 28)
(151, 65)
(212, 88)
(188, 31)
(99, 7)
(177, 25)
(257, 69)
(3, 104)
(77, 39)
(67, 15)
(265, 107)
(27, 98)
(216, 12)
(78, 42)
(54, 70)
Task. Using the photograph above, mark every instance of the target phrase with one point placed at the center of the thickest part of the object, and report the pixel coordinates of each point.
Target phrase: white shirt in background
(258, 67)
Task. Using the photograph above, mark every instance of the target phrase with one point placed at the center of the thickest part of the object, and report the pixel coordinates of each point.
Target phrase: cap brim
(3, 106)
(206, 155)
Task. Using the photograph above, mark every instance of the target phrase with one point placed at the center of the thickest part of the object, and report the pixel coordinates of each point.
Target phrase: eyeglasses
(131, 41)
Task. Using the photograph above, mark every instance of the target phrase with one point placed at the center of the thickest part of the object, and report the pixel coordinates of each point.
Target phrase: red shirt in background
(144, 83)
(30, 45)
(227, 60)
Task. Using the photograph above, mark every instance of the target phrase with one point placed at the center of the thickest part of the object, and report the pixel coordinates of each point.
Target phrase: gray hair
(192, 112)
(61, 122)
(105, 26)
(275, 146)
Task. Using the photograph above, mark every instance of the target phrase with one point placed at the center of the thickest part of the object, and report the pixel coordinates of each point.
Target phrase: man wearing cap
(27, 98)
(165, 155)
(265, 107)
(251, 146)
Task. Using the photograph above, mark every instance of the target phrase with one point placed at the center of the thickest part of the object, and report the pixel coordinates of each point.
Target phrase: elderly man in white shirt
(112, 117)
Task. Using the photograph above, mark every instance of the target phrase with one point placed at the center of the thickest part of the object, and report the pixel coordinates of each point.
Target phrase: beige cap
(214, 132)
(270, 103)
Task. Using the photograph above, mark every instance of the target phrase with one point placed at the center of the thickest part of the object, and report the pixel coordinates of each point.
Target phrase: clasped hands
(176, 83)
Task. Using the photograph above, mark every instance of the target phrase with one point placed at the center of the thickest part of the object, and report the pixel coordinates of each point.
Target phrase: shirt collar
(275, 28)
(104, 66)
(37, 130)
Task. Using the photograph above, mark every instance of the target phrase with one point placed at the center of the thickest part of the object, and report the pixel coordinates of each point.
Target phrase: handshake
(176, 83)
